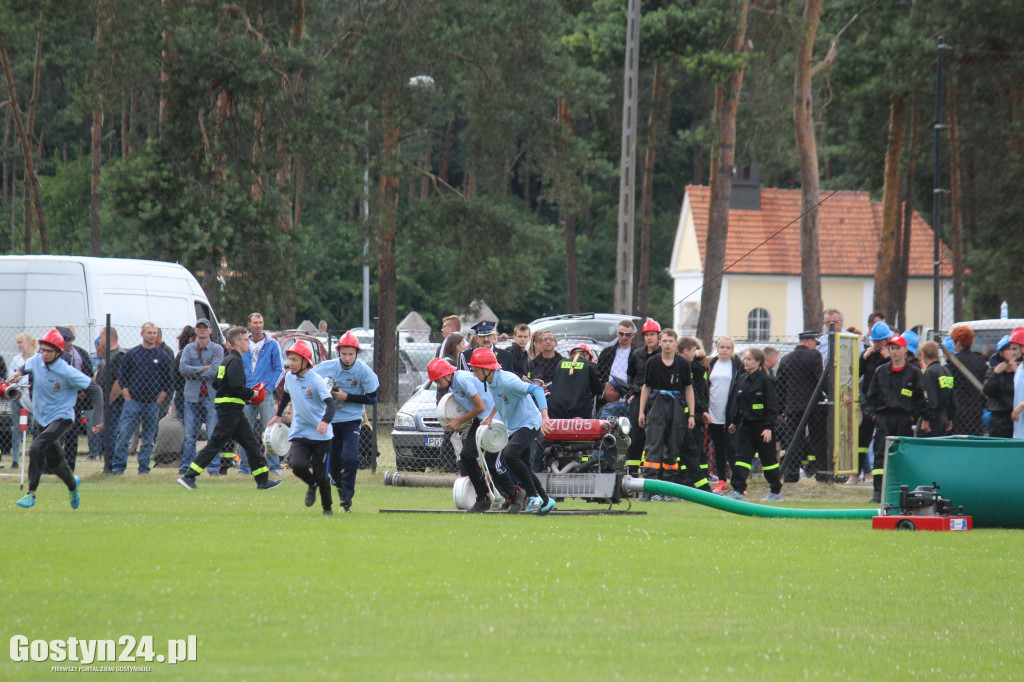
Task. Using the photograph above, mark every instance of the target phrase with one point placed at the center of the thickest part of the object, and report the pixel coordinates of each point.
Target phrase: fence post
(106, 398)
(376, 369)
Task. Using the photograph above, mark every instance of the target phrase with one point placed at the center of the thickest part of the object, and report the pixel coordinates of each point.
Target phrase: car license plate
(434, 441)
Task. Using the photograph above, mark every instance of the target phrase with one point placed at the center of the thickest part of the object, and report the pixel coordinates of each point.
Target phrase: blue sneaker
(27, 501)
(75, 501)
(533, 504)
(547, 507)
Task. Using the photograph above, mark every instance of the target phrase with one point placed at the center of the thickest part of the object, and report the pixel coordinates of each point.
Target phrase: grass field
(273, 590)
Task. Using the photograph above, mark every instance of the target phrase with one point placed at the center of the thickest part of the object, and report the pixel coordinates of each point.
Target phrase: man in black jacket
(232, 395)
(799, 373)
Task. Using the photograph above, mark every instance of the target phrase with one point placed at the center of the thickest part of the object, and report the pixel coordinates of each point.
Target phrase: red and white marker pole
(23, 426)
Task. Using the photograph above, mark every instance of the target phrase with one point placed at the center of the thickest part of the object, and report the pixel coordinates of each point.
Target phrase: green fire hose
(631, 484)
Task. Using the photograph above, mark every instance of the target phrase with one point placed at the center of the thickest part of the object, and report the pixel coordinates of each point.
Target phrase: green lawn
(273, 590)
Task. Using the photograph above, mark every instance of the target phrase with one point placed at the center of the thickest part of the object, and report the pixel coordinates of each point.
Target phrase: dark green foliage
(256, 174)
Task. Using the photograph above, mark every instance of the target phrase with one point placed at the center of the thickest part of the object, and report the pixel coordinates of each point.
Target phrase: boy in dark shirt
(666, 410)
(232, 395)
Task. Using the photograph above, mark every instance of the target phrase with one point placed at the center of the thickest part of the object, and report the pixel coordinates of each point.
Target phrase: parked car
(417, 437)
(988, 332)
(600, 327)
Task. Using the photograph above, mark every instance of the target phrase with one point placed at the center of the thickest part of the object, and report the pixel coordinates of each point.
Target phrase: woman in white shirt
(27, 346)
(724, 368)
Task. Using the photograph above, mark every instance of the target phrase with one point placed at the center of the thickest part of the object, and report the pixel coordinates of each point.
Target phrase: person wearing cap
(524, 410)
(667, 410)
(1017, 337)
(912, 342)
(55, 387)
(355, 386)
(198, 365)
(262, 364)
(232, 394)
(940, 401)
(970, 401)
(486, 336)
(469, 392)
(575, 386)
(146, 381)
(77, 357)
(799, 373)
(999, 387)
(873, 357)
(310, 434)
(895, 401)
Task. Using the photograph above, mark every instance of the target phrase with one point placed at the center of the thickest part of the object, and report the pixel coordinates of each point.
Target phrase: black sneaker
(876, 497)
(328, 512)
(188, 482)
(311, 496)
(480, 507)
(268, 485)
(347, 506)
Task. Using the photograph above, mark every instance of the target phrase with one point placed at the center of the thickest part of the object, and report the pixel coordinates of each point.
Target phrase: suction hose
(409, 480)
(635, 485)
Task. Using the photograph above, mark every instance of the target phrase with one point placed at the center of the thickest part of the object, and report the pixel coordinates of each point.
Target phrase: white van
(40, 292)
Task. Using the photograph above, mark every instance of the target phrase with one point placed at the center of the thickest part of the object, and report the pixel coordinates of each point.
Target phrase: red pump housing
(576, 430)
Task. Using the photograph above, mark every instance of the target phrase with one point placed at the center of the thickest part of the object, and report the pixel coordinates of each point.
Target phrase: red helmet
(1017, 335)
(439, 367)
(484, 358)
(651, 325)
(586, 350)
(897, 340)
(302, 349)
(54, 338)
(348, 339)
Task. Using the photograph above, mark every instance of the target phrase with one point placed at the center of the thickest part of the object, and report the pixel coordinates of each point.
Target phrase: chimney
(746, 188)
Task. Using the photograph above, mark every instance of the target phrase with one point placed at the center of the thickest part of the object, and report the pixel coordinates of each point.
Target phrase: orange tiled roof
(849, 229)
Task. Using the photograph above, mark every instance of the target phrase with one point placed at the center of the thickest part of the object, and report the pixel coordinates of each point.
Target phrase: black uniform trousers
(724, 444)
(469, 462)
(889, 423)
(865, 433)
(516, 456)
(469, 465)
(309, 463)
(695, 469)
(637, 438)
(46, 450)
(748, 443)
(231, 425)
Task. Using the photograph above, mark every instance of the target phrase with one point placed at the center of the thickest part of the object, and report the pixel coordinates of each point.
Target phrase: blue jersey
(465, 386)
(308, 393)
(359, 380)
(514, 399)
(54, 389)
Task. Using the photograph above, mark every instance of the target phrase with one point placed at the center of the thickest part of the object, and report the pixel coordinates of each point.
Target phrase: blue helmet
(912, 341)
(881, 331)
(1003, 343)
